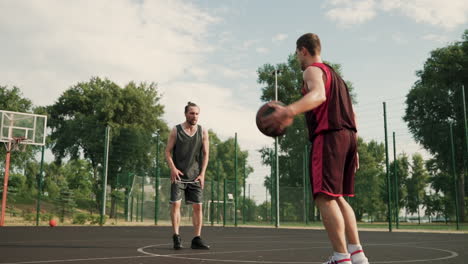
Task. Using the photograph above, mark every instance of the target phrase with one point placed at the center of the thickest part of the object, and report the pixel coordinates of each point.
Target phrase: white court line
(83, 259)
(74, 260)
(180, 256)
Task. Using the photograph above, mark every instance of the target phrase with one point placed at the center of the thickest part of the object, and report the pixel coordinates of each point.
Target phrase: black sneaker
(197, 243)
(177, 241)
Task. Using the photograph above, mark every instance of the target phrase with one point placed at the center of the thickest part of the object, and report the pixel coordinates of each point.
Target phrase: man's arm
(284, 115)
(313, 77)
(175, 173)
(206, 157)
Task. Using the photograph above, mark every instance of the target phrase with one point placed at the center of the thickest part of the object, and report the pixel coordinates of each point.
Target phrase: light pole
(277, 223)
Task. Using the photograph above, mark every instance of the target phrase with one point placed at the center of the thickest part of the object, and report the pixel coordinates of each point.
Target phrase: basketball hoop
(17, 144)
(17, 130)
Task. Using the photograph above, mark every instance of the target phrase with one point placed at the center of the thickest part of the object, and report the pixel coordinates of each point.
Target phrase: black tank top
(187, 154)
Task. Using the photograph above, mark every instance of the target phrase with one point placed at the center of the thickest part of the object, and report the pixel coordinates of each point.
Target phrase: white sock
(357, 257)
(341, 256)
(354, 247)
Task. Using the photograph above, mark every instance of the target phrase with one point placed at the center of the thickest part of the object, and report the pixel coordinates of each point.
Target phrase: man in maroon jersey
(332, 131)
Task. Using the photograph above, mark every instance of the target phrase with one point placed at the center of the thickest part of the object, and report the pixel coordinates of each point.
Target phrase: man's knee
(197, 207)
(175, 205)
(323, 199)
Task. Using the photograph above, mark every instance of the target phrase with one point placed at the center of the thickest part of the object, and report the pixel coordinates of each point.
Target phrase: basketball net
(15, 144)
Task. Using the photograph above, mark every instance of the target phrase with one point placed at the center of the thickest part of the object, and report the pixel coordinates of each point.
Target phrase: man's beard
(192, 122)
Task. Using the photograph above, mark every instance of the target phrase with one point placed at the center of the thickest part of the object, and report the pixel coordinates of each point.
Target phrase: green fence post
(387, 171)
(306, 197)
(131, 208)
(272, 188)
(224, 203)
(104, 176)
(243, 203)
(39, 187)
(218, 191)
(395, 163)
(235, 180)
(156, 184)
(454, 178)
(212, 203)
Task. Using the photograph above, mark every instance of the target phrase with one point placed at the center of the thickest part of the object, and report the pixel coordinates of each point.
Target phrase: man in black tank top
(187, 155)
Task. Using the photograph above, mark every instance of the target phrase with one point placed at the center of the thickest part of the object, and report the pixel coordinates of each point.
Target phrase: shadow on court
(229, 245)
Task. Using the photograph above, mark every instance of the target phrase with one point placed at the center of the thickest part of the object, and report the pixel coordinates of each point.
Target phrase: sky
(208, 52)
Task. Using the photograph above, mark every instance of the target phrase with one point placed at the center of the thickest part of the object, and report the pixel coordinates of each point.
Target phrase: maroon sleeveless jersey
(336, 113)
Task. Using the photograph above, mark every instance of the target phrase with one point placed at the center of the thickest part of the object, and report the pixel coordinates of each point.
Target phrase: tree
(444, 196)
(13, 100)
(367, 181)
(435, 101)
(80, 115)
(416, 185)
(402, 173)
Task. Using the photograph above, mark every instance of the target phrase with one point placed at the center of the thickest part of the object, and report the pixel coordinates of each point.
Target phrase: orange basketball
(273, 131)
(52, 223)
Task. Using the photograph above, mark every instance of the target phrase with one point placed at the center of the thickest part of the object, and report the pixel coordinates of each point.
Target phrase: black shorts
(192, 191)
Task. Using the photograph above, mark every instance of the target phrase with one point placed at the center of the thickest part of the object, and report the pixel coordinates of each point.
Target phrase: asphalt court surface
(141, 245)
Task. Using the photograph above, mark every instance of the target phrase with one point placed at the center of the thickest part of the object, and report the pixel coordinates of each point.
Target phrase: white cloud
(49, 45)
(436, 38)
(446, 14)
(279, 37)
(432, 12)
(347, 13)
(262, 50)
(249, 43)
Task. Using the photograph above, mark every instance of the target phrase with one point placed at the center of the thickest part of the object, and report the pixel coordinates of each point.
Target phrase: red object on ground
(52, 223)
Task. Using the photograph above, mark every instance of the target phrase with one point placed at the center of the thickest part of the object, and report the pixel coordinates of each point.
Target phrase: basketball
(264, 111)
(52, 223)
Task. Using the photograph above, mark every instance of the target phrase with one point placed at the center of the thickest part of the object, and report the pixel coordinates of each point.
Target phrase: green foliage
(133, 113)
(96, 219)
(16, 184)
(80, 219)
(369, 181)
(66, 203)
(416, 184)
(435, 101)
(222, 156)
(30, 217)
(13, 100)
(47, 216)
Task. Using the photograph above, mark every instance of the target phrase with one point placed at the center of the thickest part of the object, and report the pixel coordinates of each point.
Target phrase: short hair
(311, 42)
(190, 104)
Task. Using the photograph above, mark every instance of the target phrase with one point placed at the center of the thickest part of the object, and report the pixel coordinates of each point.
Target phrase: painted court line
(452, 254)
(73, 260)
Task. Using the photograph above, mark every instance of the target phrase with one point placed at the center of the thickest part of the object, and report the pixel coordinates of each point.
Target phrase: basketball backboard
(30, 128)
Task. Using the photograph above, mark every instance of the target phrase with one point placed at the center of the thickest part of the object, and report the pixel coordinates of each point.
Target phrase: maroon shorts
(333, 163)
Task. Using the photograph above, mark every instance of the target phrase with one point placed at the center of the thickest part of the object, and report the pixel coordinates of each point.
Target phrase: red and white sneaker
(358, 257)
(341, 261)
